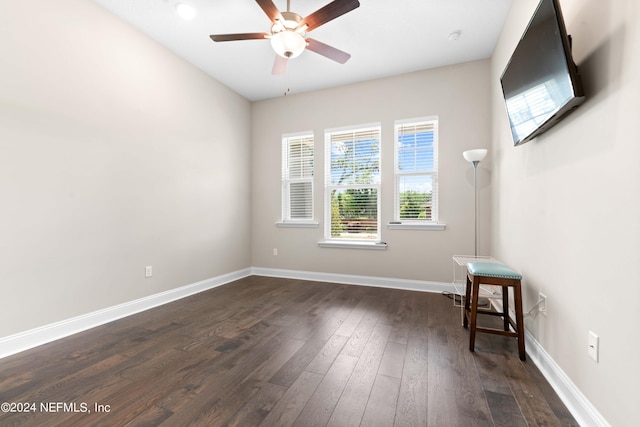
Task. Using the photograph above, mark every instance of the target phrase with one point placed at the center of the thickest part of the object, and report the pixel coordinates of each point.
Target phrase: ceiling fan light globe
(288, 44)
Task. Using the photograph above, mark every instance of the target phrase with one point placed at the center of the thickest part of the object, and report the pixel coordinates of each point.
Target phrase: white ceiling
(384, 38)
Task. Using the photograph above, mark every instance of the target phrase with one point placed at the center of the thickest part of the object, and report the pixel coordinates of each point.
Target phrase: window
(352, 184)
(297, 178)
(416, 171)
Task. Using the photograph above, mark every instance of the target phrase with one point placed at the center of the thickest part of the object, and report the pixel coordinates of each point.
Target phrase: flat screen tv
(541, 83)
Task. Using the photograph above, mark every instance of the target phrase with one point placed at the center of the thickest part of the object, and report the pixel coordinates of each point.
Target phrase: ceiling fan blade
(240, 36)
(270, 9)
(279, 65)
(329, 12)
(328, 51)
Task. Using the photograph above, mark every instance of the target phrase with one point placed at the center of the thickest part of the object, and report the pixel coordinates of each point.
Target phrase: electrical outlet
(542, 307)
(148, 271)
(275, 251)
(594, 346)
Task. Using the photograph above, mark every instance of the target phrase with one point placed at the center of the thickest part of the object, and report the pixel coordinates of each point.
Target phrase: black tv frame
(578, 95)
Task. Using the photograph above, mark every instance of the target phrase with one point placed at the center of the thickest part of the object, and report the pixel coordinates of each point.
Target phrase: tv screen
(541, 83)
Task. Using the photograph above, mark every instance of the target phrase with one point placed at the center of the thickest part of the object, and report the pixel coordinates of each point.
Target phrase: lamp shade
(475, 155)
(288, 44)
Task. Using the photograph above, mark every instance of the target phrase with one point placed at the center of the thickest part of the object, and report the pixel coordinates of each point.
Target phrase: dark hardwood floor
(278, 352)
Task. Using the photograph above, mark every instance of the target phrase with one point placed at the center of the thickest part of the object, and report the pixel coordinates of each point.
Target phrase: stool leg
(505, 307)
(474, 312)
(467, 301)
(517, 296)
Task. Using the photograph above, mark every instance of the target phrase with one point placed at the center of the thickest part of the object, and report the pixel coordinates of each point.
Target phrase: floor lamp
(475, 156)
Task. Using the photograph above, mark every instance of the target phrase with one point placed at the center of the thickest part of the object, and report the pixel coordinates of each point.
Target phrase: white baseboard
(582, 410)
(378, 282)
(579, 406)
(22, 341)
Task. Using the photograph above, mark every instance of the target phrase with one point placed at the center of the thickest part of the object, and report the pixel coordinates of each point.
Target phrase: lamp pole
(474, 157)
(475, 204)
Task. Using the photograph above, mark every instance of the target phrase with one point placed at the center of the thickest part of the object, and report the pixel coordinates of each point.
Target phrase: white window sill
(415, 226)
(380, 246)
(297, 224)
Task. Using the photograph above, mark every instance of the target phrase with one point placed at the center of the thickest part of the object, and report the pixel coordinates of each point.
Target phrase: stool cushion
(487, 269)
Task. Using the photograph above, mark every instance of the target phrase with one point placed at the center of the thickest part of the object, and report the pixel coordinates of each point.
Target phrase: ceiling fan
(288, 32)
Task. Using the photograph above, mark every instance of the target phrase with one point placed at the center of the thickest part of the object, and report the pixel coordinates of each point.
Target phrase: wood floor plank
(324, 399)
(259, 406)
(224, 408)
(504, 410)
(281, 355)
(464, 402)
(401, 321)
(293, 402)
(315, 343)
(531, 401)
(322, 310)
(226, 373)
(559, 409)
(470, 398)
(392, 361)
(154, 417)
(233, 326)
(352, 403)
(381, 405)
(411, 409)
(441, 389)
(491, 375)
(388, 301)
(191, 384)
(353, 320)
(153, 367)
(327, 355)
(270, 351)
(360, 335)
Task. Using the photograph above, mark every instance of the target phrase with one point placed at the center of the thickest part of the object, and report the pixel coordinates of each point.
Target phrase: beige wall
(114, 155)
(566, 209)
(459, 95)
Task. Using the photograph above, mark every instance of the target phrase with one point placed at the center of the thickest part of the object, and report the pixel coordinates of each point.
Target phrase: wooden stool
(498, 275)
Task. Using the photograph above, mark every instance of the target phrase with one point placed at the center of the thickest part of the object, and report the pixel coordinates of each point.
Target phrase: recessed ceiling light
(454, 35)
(185, 11)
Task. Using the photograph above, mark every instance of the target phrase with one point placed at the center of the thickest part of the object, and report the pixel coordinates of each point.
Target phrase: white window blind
(352, 184)
(416, 170)
(297, 177)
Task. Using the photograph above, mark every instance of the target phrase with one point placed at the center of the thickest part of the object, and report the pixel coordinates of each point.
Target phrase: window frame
(408, 223)
(329, 187)
(287, 180)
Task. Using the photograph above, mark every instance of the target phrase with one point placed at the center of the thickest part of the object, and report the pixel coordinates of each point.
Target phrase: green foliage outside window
(415, 205)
